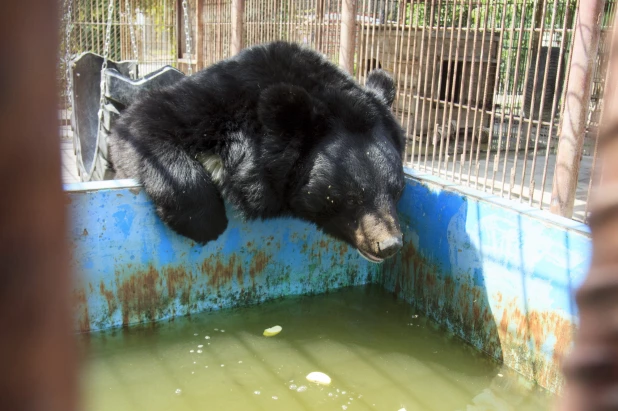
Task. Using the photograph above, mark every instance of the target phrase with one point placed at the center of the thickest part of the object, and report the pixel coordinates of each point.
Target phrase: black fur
(382, 85)
(297, 136)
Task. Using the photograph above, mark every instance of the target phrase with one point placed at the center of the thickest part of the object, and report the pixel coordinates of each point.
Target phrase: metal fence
(480, 84)
(313, 23)
(213, 31)
(481, 87)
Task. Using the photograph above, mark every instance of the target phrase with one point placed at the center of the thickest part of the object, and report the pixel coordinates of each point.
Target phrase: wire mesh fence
(480, 83)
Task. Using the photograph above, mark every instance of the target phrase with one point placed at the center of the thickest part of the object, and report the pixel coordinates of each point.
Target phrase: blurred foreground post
(37, 358)
(591, 369)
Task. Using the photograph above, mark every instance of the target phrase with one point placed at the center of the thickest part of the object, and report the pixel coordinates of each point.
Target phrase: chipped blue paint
(132, 268)
(497, 273)
(124, 219)
(233, 241)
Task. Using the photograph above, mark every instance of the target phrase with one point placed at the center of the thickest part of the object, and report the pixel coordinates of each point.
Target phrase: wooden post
(320, 25)
(347, 45)
(401, 13)
(200, 62)
(179, 30)
(219, 33)
(536, 35)
(577, 100)
(126, 51)
(37, 347)
(238, 17)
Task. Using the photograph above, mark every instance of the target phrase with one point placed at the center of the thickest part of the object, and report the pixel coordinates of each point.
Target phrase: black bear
(276, 130)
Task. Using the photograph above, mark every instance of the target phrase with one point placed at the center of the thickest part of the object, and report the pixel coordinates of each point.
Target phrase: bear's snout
(389, 247)
(378, 236)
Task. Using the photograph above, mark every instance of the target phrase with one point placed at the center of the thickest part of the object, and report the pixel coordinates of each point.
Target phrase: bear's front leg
(185, 196)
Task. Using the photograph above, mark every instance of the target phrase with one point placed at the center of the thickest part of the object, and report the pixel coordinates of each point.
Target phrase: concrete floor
(69, 168)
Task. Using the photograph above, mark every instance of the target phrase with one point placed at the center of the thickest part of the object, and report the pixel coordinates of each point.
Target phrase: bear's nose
(389, 246)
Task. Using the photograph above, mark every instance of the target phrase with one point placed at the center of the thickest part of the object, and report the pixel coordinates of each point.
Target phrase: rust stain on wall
(343, 249)
(109, 297)
(258, 264)
(336, 249)
(138, 295)
(519, 337)
(80, 304)
(220, 272)
(149, 294)
(460, 305)
(177, 278)
(523, 336)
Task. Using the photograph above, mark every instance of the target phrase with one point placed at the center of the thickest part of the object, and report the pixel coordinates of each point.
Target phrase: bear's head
(348, 174)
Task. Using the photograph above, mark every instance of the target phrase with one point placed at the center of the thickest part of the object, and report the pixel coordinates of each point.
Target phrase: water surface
(379, 353)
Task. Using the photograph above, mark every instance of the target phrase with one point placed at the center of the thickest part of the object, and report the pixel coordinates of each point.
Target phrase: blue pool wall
(132, 269)
(496, 273)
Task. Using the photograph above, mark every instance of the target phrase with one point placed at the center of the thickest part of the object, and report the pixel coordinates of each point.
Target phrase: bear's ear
(381, 84)
(288, 111)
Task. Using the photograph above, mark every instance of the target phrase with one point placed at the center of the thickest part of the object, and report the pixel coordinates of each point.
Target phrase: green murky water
(379, 354)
